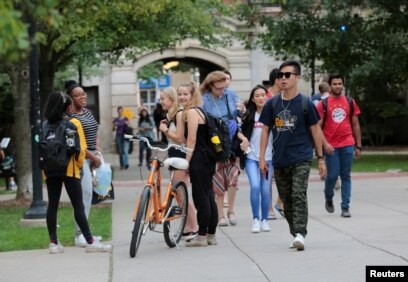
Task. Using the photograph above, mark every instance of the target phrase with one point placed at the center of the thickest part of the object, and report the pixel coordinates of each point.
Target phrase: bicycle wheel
(178, 206)
(140, 222)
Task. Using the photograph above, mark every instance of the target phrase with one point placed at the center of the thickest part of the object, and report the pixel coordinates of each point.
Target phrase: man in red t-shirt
(341, 142)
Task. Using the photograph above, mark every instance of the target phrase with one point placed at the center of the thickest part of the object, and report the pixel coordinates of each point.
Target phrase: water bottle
(217, 143)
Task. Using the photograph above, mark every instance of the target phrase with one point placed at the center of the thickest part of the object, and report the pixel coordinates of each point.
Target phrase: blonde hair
(171, 93)
(195, 101)
(212, 77)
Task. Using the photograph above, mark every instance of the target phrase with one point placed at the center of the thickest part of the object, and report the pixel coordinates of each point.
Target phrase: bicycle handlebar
(144, 139)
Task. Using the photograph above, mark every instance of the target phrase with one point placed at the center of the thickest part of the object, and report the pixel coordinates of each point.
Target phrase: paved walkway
(337, 249)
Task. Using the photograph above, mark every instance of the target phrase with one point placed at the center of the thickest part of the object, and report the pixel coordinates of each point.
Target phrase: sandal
(279, 210)
(271, 216)
(231, 218)
(222, 222)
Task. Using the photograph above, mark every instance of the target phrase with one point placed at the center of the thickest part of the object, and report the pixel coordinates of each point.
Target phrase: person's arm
(328, 148)
(263, 167)
(317, 135)
(245, 142)
(2, 155)
(357, 136)
(192, 125)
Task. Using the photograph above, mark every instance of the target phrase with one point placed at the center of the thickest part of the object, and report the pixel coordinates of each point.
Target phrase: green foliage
(365, 40)
(14, 237)
(13, 32)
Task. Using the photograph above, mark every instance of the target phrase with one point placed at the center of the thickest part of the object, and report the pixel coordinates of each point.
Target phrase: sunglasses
(286, 74)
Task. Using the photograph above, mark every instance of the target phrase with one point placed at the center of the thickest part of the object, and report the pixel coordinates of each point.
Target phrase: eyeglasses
(286, 74)
(218, 89)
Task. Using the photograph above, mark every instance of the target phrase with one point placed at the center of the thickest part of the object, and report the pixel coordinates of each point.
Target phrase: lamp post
(38, 207)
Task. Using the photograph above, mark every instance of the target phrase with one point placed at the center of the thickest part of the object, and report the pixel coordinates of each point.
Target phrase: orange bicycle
(152, 208)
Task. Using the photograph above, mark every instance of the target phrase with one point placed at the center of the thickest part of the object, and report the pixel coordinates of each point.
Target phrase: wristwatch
(320, 157)
(359, 148)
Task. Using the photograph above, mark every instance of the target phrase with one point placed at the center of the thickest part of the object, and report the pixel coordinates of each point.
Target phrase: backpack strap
(274, 102)
(230, 116)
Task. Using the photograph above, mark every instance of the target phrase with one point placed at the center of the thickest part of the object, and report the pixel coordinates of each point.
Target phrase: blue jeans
(260, 188)
(122, 146)
(339, 163)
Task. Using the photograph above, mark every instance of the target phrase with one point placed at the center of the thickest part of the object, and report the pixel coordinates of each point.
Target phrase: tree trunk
(19, 77)
(47, 74)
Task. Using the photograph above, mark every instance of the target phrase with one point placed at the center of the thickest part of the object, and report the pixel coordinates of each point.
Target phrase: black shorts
(174, 153)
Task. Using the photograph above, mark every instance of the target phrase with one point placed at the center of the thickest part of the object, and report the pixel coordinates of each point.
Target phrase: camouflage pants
(292, 185)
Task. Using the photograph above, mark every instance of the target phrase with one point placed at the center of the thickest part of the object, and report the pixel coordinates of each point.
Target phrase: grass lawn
(14, 237)
(379, 163)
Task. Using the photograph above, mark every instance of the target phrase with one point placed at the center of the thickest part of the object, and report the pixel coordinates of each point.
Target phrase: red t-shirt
(337, 129)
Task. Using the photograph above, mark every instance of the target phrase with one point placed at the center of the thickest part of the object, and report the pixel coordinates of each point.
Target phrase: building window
(148, 99)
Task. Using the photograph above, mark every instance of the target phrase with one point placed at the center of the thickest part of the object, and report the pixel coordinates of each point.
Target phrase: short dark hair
(70, 88)
(273, 75)
(293, 63)
(324, 87)
(335, 76)
(68, 83)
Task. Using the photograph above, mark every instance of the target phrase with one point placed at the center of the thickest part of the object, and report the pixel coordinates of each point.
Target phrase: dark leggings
(74, 190)
(203, 193)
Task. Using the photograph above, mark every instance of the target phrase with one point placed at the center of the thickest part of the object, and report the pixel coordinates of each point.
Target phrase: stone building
(120, 86)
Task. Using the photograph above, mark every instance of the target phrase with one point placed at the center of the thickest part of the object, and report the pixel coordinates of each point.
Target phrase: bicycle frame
(152, 208)
(157, 206)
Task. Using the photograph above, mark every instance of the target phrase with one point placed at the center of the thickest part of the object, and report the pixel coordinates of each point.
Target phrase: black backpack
(217, 127)
(57, 144)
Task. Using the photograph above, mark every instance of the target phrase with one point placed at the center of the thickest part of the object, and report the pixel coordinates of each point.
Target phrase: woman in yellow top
(55, 110)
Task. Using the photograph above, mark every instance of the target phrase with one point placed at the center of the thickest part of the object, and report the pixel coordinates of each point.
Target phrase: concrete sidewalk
(337, 249)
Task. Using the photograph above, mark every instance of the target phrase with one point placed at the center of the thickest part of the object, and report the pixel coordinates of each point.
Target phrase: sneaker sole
(98, 251)
(298, 245)
(188, 238)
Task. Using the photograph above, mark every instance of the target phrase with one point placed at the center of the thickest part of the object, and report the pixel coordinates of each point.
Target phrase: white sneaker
(80, 240)
(55, 248)
(256, 226)
(299, 242)
(97, 246)
(265, 226)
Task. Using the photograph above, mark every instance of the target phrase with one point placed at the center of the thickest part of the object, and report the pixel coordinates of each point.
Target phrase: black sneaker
(345, 213)
(329, 206)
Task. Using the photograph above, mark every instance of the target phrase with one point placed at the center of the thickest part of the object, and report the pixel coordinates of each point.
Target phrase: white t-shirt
(255, 142)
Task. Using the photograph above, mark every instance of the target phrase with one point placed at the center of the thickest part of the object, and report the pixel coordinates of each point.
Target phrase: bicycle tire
(174, 227)
(140, 222)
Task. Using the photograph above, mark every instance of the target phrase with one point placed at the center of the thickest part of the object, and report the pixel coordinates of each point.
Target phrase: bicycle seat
(176, 163)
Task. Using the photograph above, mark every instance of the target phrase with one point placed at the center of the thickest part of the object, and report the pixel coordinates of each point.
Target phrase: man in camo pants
(292, 126)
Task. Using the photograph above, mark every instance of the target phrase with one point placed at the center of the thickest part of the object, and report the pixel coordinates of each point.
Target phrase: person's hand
(96, 162)
(244, 145)
(328, 148)
(322, 168)
(241, 107)
(163, 126)
(2, 155)
(357, 153)
(263, 167)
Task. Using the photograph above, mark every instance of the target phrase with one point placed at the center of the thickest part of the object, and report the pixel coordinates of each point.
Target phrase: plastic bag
(104, 178)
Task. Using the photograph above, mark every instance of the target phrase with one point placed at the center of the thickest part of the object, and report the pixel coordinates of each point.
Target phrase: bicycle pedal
(176, 211)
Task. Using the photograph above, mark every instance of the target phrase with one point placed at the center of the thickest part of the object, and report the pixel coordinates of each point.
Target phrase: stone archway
(124, 88)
